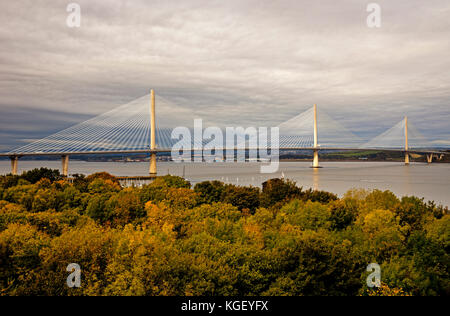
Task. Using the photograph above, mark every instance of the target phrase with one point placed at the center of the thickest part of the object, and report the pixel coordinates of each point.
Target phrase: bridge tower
(65, 165)
(316, 140)
(153, 136)
(406, 142)
(14, 165)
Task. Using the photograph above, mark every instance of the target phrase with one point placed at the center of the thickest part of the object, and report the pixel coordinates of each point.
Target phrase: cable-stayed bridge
(142, 127)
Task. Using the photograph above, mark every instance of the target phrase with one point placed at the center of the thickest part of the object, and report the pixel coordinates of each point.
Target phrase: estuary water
(431, 182)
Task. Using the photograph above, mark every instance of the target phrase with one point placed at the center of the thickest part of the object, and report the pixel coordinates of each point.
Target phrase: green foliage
(384, 236)
(414, 212)
(80, 182)
(215, 239)
(21, 194)
(317, 265)
(279, 190)
(306, 216)
(125, 207)
(99, 185)
(9, 181)
(319, 196)
(20, 246)
(380, 200)
(244, 198)
(103, 176)
(157, 190)
(343, 213)
(97, 208)
(174, 182)
(210, 191)
(35, 175)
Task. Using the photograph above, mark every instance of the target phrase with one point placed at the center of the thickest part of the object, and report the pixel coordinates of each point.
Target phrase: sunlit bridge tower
(153, 135)
(14, 165)
(65, 165)
(316, 140)
(406, 142)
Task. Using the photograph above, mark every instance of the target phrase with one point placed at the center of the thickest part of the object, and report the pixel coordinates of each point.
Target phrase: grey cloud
(232, 62)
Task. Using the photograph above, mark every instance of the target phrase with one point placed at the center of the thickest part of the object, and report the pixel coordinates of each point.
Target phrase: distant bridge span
(167, 150)
(114, 130)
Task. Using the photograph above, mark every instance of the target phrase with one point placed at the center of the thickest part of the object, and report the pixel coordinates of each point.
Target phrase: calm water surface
(429, 181)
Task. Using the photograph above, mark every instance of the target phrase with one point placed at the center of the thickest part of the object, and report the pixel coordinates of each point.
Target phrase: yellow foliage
(384, 234)
(181, 198)
(385, 290)
(357, 194)
(254, 234)
(163, 239)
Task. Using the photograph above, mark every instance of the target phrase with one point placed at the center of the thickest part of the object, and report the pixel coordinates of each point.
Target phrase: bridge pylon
(65, 165)
(406, 142)
(316, 140)
(153, 169)
(14, 165)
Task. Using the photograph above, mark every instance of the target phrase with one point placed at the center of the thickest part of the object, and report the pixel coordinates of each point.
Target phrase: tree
(210, 191)
(157, 190)
(383, 233)
(174, 182)
(241, 197)
(309, 215)
(35, 175)
(80, 182)
(414, 212)
(44, 200)
(319, 196)
(168, 239)
(9, 181)
(97, 208)
(99, 185)
(181, 198)
(279, 190)
(124, 207)
(343, 213)
(20, 246)
(102, 176)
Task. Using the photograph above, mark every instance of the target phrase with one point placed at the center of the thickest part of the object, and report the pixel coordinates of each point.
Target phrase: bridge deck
(166, 150)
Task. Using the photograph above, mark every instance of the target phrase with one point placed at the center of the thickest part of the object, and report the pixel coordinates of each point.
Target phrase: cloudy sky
(234, 62)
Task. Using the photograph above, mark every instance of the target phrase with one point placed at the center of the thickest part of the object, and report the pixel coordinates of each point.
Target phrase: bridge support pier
(316, 140)
(406, 142)
(14, 165)
(430, 158)
(65, 165)
(153, 169)
(316, 159)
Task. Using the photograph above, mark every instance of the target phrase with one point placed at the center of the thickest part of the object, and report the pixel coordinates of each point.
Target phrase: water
(429, 181)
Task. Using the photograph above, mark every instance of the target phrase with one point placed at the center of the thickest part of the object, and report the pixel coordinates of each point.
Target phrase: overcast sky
(234, 62)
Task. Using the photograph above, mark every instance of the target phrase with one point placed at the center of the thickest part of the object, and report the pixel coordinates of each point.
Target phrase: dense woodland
(168, 238)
